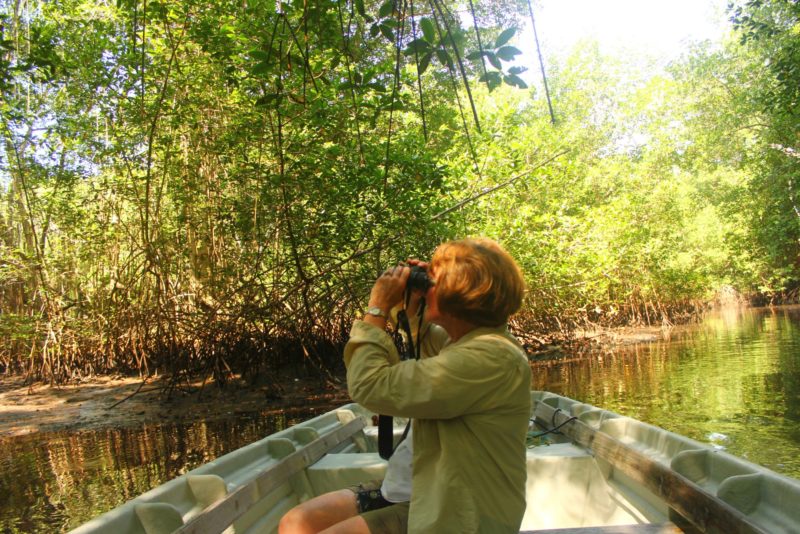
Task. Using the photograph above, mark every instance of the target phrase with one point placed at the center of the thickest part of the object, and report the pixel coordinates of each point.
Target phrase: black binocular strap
(386, 446)
(385, 436)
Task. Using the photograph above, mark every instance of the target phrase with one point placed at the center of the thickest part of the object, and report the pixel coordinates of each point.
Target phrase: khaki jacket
(470, 405)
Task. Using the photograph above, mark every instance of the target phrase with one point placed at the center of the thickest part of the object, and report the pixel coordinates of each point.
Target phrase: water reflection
(52, 482)
(732, 381)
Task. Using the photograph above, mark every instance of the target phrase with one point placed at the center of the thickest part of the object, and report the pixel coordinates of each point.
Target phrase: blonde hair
(477, 281)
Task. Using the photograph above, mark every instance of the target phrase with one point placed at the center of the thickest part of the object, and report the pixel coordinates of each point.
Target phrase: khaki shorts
(381, 516)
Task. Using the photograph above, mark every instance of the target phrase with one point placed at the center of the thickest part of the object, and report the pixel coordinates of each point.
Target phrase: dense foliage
(209, 188)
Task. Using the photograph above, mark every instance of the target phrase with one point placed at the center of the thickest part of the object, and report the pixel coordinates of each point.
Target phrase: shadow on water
(733, 381)
(55, 481)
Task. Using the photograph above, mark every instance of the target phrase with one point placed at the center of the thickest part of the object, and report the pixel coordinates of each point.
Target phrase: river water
(732, 380)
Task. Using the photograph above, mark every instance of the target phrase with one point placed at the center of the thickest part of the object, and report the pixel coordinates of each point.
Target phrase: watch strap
(377, 312)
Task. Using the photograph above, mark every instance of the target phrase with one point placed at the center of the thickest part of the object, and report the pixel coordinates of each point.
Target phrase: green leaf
(417, 46)
(260, 55)
(493, 60)
(296, 61)
(266, 100)
(424, 62)
(507, 53)
(505, 37)
(261, 68)
(493, 80)
(156, 8)
(360, 7)
(474, 56)
(386, 9)
(428, 29)
(374, 30)
(377, 87)
(517, 70)
(444, 57)
(387, 32)
(514, 80)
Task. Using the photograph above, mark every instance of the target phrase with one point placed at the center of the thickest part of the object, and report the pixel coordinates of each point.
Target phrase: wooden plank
(220, 515)
(702, 509)
(646, 528)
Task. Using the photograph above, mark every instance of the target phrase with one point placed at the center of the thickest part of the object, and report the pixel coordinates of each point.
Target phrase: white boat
(602, 473)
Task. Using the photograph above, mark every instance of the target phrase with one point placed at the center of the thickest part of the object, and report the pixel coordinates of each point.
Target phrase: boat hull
(568, 485)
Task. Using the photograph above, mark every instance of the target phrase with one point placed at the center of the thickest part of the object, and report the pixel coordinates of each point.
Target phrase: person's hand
(418, 263)
(387, 292)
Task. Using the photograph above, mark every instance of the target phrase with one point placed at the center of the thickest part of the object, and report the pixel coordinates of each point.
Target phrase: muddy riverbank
(116, 402)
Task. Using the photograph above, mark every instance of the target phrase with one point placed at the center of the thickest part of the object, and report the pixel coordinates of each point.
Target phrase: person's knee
(319, 513)
(294, 522)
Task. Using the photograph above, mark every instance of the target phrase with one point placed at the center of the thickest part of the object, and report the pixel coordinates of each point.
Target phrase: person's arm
(461, 378)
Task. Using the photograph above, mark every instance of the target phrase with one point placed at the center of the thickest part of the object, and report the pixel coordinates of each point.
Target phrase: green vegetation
(208, 188)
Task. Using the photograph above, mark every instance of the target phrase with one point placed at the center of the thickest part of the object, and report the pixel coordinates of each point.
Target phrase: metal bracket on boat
(207, 489)
(305, 434)
(158, 517)
(345, 416)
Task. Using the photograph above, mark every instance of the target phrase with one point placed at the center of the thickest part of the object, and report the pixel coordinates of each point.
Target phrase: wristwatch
(377, 312)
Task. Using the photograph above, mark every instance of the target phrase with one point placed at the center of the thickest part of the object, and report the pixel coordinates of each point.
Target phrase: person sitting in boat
(468, 397)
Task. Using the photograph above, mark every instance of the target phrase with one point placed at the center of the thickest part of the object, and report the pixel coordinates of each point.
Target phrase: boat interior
(569, 486)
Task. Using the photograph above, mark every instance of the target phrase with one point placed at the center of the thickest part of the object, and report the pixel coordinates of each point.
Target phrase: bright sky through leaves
(655, 28)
